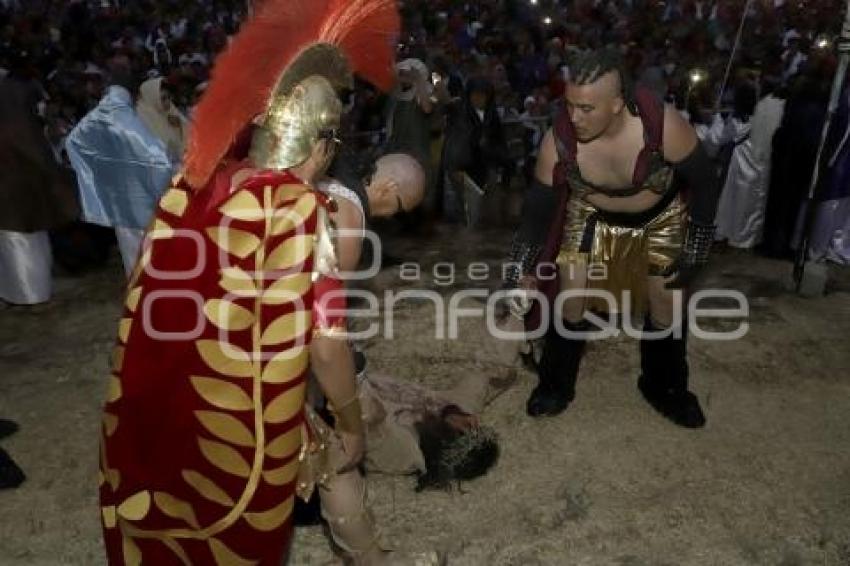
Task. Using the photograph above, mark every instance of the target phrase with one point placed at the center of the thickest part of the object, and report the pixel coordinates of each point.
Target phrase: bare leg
(352, 527)
(351, 523)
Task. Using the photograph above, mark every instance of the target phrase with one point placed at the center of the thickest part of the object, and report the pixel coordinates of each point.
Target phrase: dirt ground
(609, 482)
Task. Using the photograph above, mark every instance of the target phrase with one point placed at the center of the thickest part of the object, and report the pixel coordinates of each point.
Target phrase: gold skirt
(619, 258)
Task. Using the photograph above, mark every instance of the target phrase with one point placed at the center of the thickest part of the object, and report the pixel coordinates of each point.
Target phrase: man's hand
(353, 450)
(680, 275)
(694, 257)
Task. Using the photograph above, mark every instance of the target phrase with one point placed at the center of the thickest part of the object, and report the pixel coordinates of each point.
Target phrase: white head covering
(416, 66)
(155, 117)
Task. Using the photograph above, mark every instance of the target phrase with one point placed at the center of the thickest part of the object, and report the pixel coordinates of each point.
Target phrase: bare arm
(333, 366)
(547, 159)
(680, 139)
(693, 166)
(349, 243)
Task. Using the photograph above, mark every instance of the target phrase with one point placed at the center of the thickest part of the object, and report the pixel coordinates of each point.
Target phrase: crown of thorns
(466, 457)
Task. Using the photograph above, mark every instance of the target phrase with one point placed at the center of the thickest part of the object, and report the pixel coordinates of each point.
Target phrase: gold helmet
(304, 108)
(285, 66)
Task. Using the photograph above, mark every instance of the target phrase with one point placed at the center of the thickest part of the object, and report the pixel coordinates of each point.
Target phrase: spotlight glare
(697, 76)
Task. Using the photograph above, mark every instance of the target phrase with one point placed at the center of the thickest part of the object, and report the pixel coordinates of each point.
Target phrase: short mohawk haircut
(586, 67)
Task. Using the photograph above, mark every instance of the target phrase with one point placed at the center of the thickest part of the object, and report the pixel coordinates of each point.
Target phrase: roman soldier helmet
(282, 72)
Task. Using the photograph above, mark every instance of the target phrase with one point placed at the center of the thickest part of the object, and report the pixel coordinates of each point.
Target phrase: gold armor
(621, 255)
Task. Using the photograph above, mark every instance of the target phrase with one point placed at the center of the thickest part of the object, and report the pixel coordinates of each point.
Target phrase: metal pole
(733, 54)
(837, 87)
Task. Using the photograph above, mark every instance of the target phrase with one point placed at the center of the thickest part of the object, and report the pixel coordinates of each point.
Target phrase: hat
(287, 45)
(413, 65)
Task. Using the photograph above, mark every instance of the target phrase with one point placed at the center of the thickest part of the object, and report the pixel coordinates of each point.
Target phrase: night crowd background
(515, 51)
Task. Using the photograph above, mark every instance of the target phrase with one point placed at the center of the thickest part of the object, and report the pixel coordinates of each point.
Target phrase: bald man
(392, 185)
(616, 223)
(396, 184)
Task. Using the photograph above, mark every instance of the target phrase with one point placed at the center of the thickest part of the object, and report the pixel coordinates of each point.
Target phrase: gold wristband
(349, 417)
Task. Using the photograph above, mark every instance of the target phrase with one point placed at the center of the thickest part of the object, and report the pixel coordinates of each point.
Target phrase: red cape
(202, 432)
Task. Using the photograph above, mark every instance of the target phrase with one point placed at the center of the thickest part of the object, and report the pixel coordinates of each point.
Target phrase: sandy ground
(609, 482)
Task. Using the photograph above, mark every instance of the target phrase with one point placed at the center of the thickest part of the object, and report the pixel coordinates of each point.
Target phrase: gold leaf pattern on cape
(114, 478)
(287, 193)
(132, 554)
(227, 427)
(289, 219)
(174, 201)
(287, 365)
(175, 508)
(101, 479)
(237, 282)
(272, 519)
(227, 315)
(110, 424)
(243, 206)
(159, 231)
(284, 475)
(109, 518)
(114, 390)
(117, 359)
(207, 488)
(225, 458)
(227, 359)
(144, 261)
(222, 394)
(124, 329)
(285, 445)
(287, 328)
(290, 254)
(225, 557)
(288, 289)
(136, 508)
(133, 299)
(286, 405)
(141, 265)
(233, 241)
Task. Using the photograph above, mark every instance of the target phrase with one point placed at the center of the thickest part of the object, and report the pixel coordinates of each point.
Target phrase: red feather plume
(246, 74)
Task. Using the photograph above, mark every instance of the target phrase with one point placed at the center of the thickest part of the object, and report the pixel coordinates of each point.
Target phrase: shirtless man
(396, 186)
(617, 159)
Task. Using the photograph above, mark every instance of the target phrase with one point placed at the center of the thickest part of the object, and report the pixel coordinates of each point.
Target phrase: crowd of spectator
(521, 46)
(519, 49)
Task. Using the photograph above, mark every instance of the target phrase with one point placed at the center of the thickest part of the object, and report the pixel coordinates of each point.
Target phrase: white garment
(741, 212)
(792, 64)
(831, 232)
(336, 189)
(715, 134)
(766, 120)
(741, 194)
(130, 245)
(25, 263)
